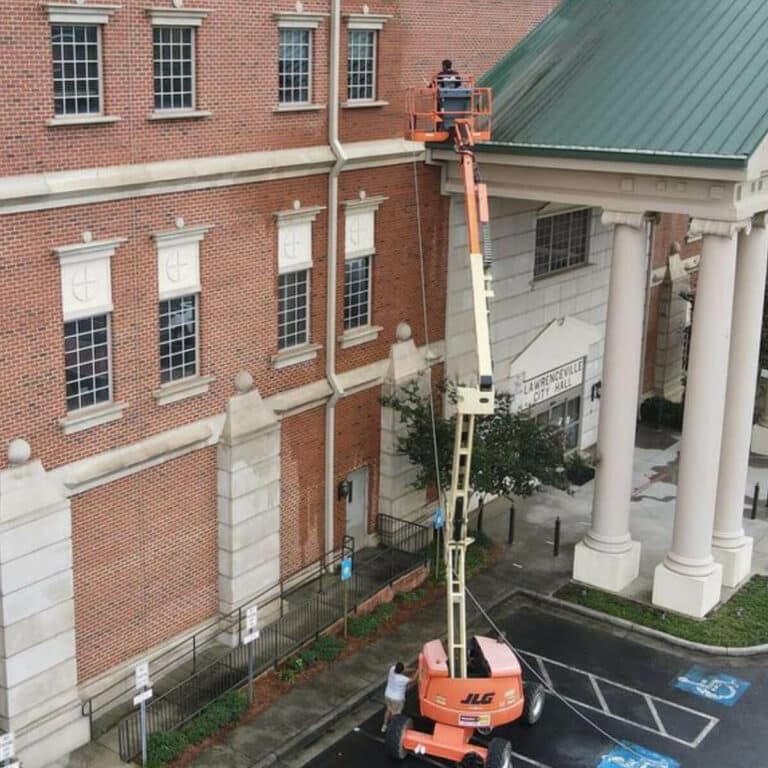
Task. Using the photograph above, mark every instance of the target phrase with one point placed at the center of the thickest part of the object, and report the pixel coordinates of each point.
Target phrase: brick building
(209, 268)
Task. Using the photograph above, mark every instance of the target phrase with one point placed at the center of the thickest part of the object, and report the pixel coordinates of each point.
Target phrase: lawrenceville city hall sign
(528, 392)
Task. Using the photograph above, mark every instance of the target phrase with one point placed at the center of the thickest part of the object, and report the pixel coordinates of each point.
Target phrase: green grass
(478, 557)
(742, 621)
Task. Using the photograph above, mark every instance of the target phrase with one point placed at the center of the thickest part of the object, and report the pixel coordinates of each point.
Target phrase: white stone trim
(362, 204)
(59, 189)
(299, 108)
(67, 13)
(297, 20)
(299, 399)
(295, 355)
(612, 218)
(76, 257)
(182, 389)
(187, 279)
(294, 238)
(360, 103)
(356, 336)
(94, 416)
(718, 228)
(177, 17)
(366, 20)
(62, 122)
(298, 215)
(179, 114)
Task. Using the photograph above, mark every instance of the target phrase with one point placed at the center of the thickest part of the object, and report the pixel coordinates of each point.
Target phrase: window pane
(76, 80)
(561, 241)
(178, 338)
(361, 64)
(173, 65)
(86, 362)
(356, 292)
(294, 66)
(292, 309)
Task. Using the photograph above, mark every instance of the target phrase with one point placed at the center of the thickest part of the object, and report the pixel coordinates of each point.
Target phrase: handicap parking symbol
(713, 686)
(629, 755)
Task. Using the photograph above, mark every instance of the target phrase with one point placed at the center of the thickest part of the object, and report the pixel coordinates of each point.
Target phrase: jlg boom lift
(474, 686)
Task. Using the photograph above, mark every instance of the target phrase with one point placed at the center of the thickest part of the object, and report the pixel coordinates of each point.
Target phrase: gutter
(337, 391)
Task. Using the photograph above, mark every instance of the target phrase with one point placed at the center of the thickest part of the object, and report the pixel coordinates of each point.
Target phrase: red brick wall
(145, 560)
(236, 79)
(358, 440)
(301, 490)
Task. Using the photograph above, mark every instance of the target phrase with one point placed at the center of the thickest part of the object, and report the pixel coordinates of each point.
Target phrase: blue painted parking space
(714, 686)
(630, 755)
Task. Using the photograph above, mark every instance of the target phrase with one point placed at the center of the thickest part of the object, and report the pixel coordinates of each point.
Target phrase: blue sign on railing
(346, 569)
(438, 519)
(630, 755)
(713, 686)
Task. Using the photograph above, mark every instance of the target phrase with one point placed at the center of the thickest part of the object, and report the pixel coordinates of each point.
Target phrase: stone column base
(606, 570)
(759, 440)
(737, 563)
(690, 595)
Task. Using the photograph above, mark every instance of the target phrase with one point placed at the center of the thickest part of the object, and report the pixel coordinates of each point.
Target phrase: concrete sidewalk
(308, 712)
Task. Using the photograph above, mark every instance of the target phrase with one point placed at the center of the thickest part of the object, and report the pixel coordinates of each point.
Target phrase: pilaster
(38, 668)
(248, 497)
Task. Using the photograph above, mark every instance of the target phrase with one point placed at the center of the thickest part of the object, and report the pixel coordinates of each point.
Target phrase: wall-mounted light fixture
(595, 391)
(344, 490)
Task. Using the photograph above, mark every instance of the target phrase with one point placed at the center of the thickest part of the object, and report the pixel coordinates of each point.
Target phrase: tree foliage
(512, 454)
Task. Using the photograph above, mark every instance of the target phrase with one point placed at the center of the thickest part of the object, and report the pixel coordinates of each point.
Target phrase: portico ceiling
(652, 106)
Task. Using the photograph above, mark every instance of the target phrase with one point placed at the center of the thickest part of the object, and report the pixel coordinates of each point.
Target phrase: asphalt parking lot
(667, 709)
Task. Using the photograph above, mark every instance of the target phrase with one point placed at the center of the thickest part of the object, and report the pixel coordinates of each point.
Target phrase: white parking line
(529, 760)
(595, 681)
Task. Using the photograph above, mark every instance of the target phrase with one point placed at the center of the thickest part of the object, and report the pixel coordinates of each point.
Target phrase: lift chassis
(474, 685)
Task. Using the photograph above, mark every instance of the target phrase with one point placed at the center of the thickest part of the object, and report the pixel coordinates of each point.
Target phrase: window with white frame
(76, 69)
(86, 303)
(87, 361)
(178, 278)
(564, 414)
(174, 67)
(357, 292)
(294, 261)
(293, 309)
(562, 241)
(361, 64)
(178, 338)
(76, 56)
(295, 66)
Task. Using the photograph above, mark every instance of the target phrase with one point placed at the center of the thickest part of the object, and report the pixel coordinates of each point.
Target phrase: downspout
(333, 237)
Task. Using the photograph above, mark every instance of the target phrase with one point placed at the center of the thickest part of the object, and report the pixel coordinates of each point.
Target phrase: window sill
(179, 114)
(93, 416)
(355, 336)
(295, 355)
(299, 108)
(182, 389)
(58, 122)
(361, 104)
(561, 272)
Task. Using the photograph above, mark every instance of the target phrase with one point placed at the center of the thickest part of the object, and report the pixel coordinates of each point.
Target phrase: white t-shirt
(396, 685)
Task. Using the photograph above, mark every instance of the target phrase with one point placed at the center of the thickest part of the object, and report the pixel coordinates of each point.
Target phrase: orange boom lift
(472, 686)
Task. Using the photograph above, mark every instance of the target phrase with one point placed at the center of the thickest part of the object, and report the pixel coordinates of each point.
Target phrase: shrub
(660, 412)
(308, 657)
(327, 647)
(296, 663)
(163, 746)
(384, 612)
(408, 598)
(227, 709)
(578, 470)
(362, 626)
(288, 675)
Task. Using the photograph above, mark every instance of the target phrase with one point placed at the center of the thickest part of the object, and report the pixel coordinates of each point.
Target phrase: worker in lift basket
(394, 695)
(448, 77)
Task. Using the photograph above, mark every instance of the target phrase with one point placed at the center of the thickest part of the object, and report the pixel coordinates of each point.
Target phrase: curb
(712, 650)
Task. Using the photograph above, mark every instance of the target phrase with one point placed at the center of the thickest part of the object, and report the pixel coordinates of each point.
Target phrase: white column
(730, 547)
(607, 557)
(688, 580)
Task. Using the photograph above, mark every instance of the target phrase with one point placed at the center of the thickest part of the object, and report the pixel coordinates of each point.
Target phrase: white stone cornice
(298, 20)
(719, 228)
(611, 218)
(366, 20)
(88, 251)
(298, 215)
(68, 13)
(364, 203)
(176, 17)
(182, 235)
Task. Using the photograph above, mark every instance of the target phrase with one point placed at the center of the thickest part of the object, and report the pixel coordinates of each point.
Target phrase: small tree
(512, 454)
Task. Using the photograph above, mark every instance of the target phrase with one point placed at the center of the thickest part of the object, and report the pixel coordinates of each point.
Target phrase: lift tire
(533, 708)
(499, 754)
(393, 738)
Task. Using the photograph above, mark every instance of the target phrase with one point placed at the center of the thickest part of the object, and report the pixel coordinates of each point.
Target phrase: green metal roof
(676, 81)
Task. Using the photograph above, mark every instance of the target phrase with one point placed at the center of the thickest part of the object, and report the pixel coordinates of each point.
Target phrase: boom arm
(472, 401)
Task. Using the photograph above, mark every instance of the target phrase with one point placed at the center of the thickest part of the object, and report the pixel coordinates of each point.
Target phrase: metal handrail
(190, 647)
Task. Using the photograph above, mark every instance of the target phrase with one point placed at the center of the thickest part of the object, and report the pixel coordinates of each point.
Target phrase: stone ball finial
(243, 382)
(19, 451)
(403, 331)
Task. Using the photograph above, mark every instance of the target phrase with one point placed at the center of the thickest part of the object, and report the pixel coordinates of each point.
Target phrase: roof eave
(617, 155)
